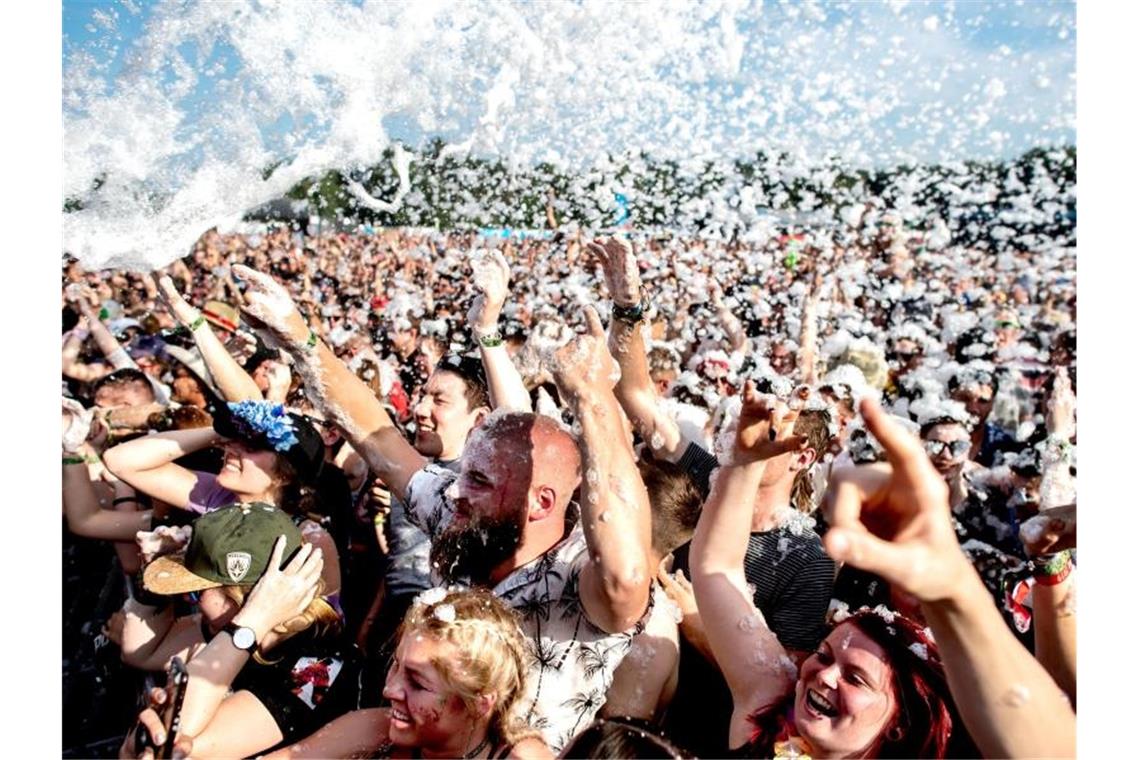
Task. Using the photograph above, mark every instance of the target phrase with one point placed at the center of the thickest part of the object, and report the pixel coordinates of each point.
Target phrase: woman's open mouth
(817, 703)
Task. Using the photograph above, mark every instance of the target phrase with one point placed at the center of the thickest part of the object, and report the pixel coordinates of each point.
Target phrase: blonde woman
(454, 688)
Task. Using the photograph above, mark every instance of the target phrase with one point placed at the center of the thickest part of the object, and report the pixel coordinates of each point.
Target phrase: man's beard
(471, 552)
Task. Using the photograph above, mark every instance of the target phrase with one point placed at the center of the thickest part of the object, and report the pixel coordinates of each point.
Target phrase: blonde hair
(491, 658)
(815, 424)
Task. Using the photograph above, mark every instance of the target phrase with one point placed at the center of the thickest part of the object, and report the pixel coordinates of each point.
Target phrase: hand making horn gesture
(894, 519)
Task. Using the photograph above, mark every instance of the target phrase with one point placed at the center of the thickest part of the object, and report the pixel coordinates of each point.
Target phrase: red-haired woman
(873, 688)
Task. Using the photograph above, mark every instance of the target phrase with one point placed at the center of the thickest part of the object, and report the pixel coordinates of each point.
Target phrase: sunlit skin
(425, 713)
(217, 608)
(508, 471)
(248, 472)
(126, 394)
(444, 418)
(849, 674)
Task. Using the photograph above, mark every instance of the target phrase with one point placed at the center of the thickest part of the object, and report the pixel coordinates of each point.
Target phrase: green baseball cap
(230, 546)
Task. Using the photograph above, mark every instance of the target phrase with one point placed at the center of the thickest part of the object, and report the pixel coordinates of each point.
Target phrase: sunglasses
(957, 448)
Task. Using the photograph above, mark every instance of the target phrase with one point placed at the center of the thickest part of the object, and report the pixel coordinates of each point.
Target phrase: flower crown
(265, 419)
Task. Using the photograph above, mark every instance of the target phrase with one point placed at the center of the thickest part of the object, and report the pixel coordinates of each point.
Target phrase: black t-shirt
(791, 576)
(308, 681)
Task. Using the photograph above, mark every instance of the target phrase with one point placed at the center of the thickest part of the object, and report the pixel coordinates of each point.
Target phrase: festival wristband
(1052, 569)
(78, 460)
(631, 314)
(490, 340)
(198, 322)
(311, 343)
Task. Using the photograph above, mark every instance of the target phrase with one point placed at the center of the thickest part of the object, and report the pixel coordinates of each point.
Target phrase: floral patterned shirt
(573, 660)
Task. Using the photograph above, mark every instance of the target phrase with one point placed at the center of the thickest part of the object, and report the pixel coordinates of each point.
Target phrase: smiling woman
(271, 456)
(454, 689)
(874, 688)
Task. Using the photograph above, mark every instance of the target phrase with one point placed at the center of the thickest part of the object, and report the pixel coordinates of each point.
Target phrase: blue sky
(1028, 47)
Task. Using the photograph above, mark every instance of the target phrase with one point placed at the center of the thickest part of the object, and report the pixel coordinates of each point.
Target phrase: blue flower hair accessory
(266, 419)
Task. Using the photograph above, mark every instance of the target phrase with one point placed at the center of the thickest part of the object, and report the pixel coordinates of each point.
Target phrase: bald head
(534, 444)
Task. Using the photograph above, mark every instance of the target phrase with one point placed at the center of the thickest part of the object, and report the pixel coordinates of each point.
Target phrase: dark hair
(675, 500)
(943, 420)
(620, 738)
(470, 371)
(120, 378)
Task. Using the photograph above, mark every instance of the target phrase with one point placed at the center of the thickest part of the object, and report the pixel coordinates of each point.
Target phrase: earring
(895, 733)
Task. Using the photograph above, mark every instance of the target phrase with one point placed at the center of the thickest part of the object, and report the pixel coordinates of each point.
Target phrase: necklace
(478, 747)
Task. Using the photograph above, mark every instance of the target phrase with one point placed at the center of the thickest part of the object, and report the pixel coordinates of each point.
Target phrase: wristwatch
(243, 638)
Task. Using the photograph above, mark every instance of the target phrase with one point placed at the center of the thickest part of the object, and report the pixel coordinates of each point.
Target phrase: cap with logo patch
(230, 546)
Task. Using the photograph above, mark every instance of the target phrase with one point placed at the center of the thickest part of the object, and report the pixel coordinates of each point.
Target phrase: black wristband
(632, 314)
(141, 500)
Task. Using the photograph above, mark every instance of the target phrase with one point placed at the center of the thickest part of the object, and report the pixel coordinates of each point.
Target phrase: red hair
(925, 717)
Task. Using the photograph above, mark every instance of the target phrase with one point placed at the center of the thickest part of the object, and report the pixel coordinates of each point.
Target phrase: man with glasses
(975, 389)
(986, 526)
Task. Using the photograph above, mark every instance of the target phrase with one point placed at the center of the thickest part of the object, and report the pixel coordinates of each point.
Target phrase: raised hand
(491, 276)
(179, 307)
(282, 594)
(894, 520)
(584, 364)
(280, 379)
(677, 587)
(620, 268)
(764, 427)
(1060, 419)
(1050, 530)
(270, 304)
(76, 425)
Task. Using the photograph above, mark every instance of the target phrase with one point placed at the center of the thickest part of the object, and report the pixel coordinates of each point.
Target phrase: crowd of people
(437, 494)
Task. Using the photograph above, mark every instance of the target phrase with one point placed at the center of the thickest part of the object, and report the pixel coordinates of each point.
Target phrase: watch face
(243, 638)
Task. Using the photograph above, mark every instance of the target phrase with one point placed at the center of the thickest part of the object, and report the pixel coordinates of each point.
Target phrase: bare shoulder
(531, 748)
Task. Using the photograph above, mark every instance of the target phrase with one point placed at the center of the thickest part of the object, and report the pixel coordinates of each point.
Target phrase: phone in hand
(171, 714)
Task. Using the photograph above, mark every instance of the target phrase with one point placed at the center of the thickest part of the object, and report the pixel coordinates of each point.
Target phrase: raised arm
(894, 521)
(737, 339)
(335, 389)
(147, 463)
(71, 365)
(491, 275)
(809, 332)
(615, 507)
(755, 664)
(80, 504)
(634, 391)
(108, 344)
(233, 381)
